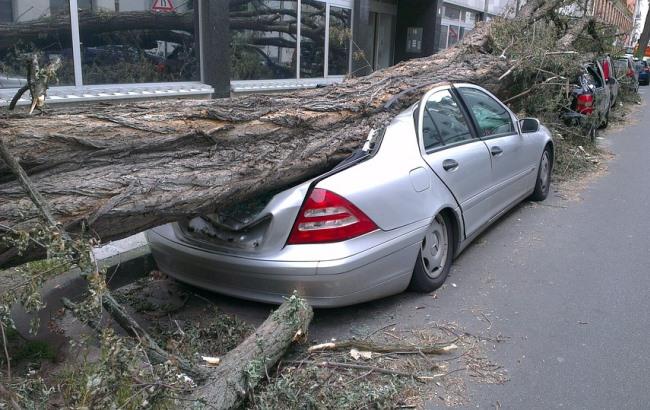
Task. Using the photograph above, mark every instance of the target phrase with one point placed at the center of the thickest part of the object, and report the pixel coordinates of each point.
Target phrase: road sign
(163, 5)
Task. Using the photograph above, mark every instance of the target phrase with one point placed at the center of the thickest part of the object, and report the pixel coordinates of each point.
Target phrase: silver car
(391, 217)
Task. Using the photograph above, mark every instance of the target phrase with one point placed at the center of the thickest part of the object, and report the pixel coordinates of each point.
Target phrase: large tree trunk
(128, 167)
(121, 169)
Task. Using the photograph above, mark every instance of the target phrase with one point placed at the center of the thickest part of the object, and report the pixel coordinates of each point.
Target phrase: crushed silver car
(391, 217)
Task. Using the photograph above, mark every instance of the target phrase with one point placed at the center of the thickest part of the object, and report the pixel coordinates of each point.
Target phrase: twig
(363, 367)
(9, 397)
(507, 73)
(441, 348)
(550, 53)
(378, 330)
(4, 344)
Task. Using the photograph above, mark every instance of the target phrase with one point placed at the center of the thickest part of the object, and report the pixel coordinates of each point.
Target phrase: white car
(391, 217)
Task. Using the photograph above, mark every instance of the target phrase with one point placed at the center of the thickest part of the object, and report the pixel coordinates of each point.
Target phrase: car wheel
(434, 260)
(605, 123)
(543, 182)
(592, 132)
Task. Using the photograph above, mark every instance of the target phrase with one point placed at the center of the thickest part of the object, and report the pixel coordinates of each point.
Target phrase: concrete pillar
(215, 48)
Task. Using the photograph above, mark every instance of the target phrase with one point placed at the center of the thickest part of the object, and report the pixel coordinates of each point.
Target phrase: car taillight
(646, 69)
(585, 104)
(630, 73)
(328, 217)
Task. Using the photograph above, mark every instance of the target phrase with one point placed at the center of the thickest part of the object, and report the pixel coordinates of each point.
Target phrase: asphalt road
(567, 282)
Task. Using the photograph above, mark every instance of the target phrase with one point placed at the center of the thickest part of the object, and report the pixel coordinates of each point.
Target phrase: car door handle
(496, 151)
(449, 165)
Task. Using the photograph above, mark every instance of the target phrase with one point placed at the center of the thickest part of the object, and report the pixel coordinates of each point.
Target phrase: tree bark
(644, 38)
(123, 168)
(246, 365)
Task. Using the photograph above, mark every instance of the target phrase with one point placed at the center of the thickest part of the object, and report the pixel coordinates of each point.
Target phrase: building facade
(618, 13)
(455, 18)
(116, 49)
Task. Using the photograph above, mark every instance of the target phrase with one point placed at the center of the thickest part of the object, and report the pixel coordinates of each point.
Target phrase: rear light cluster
(328, 217)
(585, 104)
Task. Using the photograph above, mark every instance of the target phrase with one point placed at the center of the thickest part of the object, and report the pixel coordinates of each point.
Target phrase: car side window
(491, 117)
(443, 122)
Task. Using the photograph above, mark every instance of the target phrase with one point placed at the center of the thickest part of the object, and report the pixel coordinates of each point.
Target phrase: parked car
(643, 71)
(610, 76)
(590, 100)
(626, 73)
(391, 217)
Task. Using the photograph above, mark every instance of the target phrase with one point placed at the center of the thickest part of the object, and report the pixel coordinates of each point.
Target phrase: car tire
(605, 123)
(543, 181)
(592, 132)
(434, 259)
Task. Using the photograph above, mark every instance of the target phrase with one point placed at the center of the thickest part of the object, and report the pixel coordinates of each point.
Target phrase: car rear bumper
(382, 270)
(576, 119)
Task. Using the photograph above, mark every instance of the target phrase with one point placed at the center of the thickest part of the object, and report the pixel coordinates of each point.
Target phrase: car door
(602, 95)
(455, 155)
(511, 153)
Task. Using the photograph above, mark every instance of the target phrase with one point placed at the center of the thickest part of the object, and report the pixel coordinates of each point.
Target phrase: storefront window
(453, 36)
(312, 39)
(137, 41)
(34, 26)
(264, 37)
(451, 12)
(442, 43)
(340, 35)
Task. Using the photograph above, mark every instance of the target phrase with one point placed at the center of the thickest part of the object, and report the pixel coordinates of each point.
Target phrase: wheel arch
(455, 220)
(551, 146)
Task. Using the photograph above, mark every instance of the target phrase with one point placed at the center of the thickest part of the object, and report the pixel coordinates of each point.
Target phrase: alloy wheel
(435, 246)
(545, 171)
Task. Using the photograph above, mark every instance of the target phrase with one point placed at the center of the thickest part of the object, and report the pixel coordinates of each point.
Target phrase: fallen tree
(120, 169)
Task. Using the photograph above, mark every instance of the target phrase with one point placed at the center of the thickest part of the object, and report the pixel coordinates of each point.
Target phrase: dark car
(610, 76)
(590, 100)
(626, 75)
(643, 71)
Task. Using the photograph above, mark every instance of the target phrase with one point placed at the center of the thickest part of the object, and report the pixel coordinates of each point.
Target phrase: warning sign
(163, 5)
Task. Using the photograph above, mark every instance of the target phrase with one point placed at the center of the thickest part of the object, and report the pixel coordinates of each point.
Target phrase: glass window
(35, 26)
(451, 12)
(340, 34)
(453, 35)
(492, 118)
(442, 42)
(443, 122)
(263, 39)
(312, 39)
(128, 42)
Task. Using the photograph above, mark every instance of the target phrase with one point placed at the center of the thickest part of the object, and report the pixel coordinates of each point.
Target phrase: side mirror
(528, 125)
